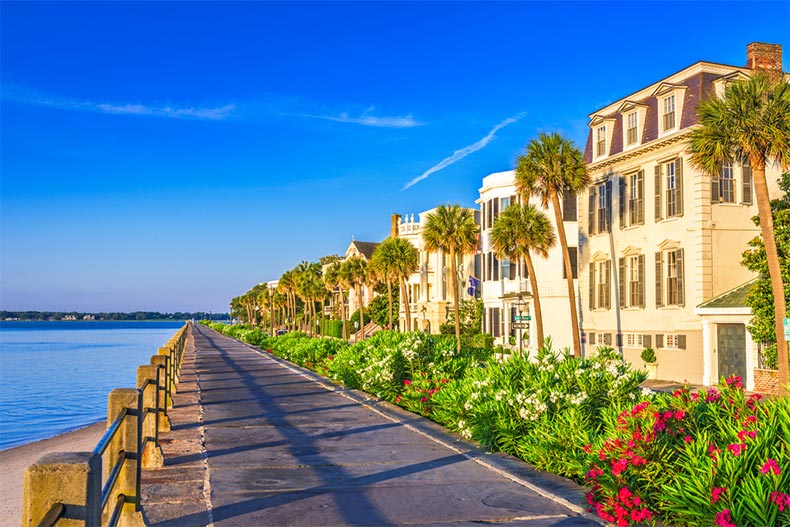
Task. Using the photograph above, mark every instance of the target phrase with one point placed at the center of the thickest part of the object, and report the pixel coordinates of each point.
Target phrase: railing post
(72, 479)
(146, 383)
(125, 441)
(163, 422)
(169, 384)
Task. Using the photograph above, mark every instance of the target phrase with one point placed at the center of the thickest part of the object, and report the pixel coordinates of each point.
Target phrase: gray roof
(365, 248)
(733, 298)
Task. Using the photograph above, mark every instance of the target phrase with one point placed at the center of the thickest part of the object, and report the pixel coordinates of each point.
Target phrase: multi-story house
(504, 281)
(430, 288)
(364, 250)
(658, 237)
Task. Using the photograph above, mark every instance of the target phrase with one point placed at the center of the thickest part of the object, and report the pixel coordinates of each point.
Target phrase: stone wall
(766, 381)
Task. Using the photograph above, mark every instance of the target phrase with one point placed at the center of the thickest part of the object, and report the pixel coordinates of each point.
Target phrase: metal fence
(73, 486)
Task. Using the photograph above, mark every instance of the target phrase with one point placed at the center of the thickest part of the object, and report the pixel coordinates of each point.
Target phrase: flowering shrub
(714, 458)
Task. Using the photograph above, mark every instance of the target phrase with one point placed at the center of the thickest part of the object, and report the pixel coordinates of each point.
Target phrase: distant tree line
(136, 315)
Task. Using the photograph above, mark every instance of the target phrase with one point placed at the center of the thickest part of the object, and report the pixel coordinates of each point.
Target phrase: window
(599, 285)
(634, 201)
(669, 113)
(569, 206)
(505, 267)
(600, 141)
(671, 340)
(574, 258)
(669, 175)
(634, 340)
(669, 278)
(726, 184)
(504, 203)
(603, 339)
(632, 281)
(630, 134)
(599, 211)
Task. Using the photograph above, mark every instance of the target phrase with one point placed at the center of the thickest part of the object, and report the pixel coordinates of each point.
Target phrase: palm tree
(452, 229)
(333, 280)
(287, 285)
(751, 122)
(356, 272)
(518, 231)
(396, 259)
(550, 167)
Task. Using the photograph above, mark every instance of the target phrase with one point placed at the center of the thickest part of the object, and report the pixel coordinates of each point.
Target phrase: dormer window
(669, 113)
(631, 128)
(600, 141)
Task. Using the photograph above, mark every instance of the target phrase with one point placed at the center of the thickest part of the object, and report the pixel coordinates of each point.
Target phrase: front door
(732, 350)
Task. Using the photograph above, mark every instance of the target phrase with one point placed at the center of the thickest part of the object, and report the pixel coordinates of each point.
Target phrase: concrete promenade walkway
(257, 441)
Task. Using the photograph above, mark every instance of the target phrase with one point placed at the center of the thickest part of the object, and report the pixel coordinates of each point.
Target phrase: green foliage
(648, 355)
(333, 328)
(471, 319)
(378, 311)
(684, 459)
(760, 299)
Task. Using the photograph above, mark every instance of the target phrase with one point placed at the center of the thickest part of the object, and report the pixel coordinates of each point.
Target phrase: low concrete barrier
(102, 488)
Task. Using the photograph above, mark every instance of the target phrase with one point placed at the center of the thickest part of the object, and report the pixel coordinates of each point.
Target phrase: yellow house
(658, 237)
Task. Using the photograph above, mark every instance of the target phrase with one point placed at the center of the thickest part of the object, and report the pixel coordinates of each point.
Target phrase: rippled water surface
(55, 376)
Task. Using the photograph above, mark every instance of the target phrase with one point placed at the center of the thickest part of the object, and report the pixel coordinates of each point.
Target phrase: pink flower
(771, 466)
(640, 515)
(688, 439)
(587, 448)
(715, 494)
(782, 500)
(723, 519)
(406, 382)
(713, 395)
(734, 381)
(594, 473)
(750, 420)
(398, 399)
(736, 448)
(747, 433)
(423, 399)
(625, 495)
(619, 466)
(679, 414)
(753, 398)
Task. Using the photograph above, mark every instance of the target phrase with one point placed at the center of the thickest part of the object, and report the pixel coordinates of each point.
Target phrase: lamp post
(520, 304)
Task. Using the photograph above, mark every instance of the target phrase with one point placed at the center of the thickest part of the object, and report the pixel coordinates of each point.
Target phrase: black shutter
(679, 185)
(496, 209)
(746, 190)
(513, 265)
(608, 292)
(592, 338)
(607, 339)
(591, 212)
(621, 282)
(658, 214)
(646, 340)
(682, 342)
(714, 188)
(641, 278)
(659, 279)
(495, 265)
(640, 196)
(659, 341)
(622, 201)
(679, 263)
(592, 286)
(609, 206)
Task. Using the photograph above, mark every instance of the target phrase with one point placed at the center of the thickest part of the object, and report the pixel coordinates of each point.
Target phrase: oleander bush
(684, 459)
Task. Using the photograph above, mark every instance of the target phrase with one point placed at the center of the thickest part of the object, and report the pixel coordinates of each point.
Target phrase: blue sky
(168, 156)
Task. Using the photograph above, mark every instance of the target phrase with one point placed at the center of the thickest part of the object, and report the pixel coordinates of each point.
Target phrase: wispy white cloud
(465, 151)
(176, 112)
(366, 119)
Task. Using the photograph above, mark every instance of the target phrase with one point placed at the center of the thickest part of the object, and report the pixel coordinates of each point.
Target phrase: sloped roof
(365, 248)
(733, 298)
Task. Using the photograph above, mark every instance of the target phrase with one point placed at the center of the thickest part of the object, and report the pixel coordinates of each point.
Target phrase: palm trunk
(533, 282)
(343, 314)
(389, 300)
(774, 269)
(404, 294)
(361, 311)
(454, 281)
(323, 316)
(577, 344)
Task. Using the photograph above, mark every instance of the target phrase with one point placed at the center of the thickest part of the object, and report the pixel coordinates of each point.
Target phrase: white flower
(646, 391)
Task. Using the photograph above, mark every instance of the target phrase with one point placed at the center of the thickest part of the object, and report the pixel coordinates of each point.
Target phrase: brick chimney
(766, 57)
(395, 223)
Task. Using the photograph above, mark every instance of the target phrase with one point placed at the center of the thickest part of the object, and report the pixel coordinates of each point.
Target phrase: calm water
(55, 376)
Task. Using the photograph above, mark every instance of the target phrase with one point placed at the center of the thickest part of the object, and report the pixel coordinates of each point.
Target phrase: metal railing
(72, 486)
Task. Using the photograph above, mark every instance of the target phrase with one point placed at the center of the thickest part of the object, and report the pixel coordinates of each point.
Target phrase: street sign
(787, 328)
(519, 318)
(520, 325)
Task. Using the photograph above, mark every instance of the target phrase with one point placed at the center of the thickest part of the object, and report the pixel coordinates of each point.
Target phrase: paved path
(257, 442)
